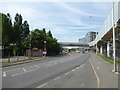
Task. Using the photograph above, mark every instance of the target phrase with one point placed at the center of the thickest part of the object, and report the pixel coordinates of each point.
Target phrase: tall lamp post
(114, 49)
(96, 45)
(96, 32)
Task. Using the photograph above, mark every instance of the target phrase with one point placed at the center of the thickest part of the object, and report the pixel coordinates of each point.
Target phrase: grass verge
(106, 59)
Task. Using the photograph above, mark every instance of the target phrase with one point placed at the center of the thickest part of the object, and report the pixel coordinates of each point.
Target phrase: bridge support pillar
(101, 49)
(108, 49)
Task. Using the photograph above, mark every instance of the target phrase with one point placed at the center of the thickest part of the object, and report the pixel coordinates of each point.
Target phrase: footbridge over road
(73, 44)
(106, 30)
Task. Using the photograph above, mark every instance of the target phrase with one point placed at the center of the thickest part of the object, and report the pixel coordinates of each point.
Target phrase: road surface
(68, 71)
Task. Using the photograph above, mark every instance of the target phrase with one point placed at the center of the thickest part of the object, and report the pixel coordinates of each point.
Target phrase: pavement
(68, 71)
(13, 58)
(23, 62)
(95, 73)
(108, 79)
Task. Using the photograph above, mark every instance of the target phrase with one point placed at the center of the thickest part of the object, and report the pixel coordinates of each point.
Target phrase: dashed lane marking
(23, 72)
(98, 68)
(73, 70)
(81, 65)
(4, 74)
(77, 67)
(13, 70)
(83, 84)
(57, 78)
(42, 85)
(67, 73)
(37, 66)
(18, 74)
(24, 69)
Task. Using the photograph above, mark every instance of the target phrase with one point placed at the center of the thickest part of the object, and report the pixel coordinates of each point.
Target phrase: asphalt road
(68, 71)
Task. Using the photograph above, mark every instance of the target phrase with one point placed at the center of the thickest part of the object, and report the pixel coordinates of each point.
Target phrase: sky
(68, 21)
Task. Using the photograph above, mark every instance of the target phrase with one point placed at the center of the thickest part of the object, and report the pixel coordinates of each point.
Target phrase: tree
(0, 29)
(44, 31)
(52, 46)
(18, 29)
(27, 41)
(24, 29)
(49, 34)
(17, 37)
(37, 39)
(7, 32)
(21, 30)
(6, 29)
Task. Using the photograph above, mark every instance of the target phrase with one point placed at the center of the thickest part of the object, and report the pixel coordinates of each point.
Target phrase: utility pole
(114, 49)
(96, 32)
(96, 44)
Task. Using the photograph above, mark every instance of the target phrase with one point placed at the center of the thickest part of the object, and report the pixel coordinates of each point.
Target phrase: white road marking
(81, 65)
(98, 80)
(83, 84)
(67, 73)
(4, 74)
(73, 70)
(98, 68)
(13, 70)
(37, 66)
(18, 74)
(77, 67)
(57, 78)
(24, 69)
(42, 85)
(23, 72)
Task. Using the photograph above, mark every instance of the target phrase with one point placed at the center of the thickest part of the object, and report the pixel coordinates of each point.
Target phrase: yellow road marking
(98, 80)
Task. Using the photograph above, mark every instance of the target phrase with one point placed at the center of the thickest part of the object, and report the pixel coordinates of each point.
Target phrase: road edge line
(97, 77)
(42, 85)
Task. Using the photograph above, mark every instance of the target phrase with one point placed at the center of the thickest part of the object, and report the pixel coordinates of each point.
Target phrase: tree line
(17, 37)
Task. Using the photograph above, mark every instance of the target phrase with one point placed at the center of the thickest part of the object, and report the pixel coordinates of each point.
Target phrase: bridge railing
(108, 23)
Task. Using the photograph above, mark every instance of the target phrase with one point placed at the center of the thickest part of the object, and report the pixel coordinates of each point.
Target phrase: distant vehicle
(83, 51)
(77, 51)
(66, 52)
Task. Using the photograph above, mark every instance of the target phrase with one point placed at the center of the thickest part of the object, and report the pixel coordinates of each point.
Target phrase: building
(90, 36)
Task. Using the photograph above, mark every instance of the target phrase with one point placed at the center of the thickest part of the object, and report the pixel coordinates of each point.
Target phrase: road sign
(44, 52)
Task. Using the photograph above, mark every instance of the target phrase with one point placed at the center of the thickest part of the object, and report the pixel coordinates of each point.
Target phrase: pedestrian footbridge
(73, 44)
(106, 31)
(107, 41)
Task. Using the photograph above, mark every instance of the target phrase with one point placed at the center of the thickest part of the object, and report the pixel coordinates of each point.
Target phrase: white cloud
(39, 15)
(69, 38)
(81, 31)
(56, 1)
(74, 10)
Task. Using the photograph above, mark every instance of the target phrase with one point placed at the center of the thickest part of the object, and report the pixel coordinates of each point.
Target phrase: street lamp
(96, 32)
(96, 45)
(114, 49)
